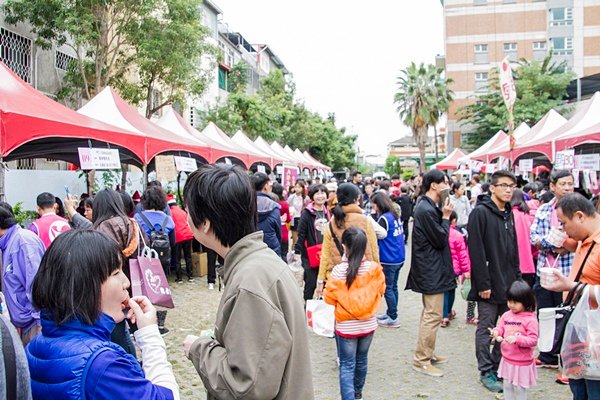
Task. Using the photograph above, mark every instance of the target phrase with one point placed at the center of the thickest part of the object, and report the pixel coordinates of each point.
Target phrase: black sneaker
(163, 331)
(179, 280)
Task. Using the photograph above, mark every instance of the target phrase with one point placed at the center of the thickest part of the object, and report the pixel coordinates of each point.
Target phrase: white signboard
(565, 159)
(507, 85)
(588, 161)
(90, 158)
(526, 165)
(490, 168)
(261, 168)
(280, 170)
(185, 164)
(165, 168)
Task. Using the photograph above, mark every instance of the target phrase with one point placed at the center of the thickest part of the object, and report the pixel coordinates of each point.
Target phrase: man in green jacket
(259, 349)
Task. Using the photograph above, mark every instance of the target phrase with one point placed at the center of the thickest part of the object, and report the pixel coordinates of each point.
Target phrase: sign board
(90, 158)
(507, 85)
(290, 176)
(279, 170)
(576, 178)
(526, 165)
(565, 159)
(490, 168)
(165, 168)
(261, 168)
(588, 161)
(185, 164)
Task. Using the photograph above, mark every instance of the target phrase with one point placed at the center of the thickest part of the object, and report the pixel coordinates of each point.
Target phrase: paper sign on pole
(576, 178)
(565, 159)
(490, 168)
(526, 165)
(588, 161)
(261, 168)
(90, 158)
(185, 164)
(165, 168)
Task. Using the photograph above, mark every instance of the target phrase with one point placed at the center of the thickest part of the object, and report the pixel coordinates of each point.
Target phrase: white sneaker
(211, 286)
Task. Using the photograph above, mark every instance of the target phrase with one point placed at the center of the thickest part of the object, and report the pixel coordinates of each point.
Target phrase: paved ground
(390, 375)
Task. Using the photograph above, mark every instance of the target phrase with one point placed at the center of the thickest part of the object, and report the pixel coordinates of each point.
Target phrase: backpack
(159, 241)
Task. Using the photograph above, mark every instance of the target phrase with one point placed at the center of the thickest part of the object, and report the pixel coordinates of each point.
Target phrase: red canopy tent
(33, 125)
(245, 142)
(109, 107)
(451, 160)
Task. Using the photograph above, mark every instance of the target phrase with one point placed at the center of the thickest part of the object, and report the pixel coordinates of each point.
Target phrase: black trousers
(184, 247)
(212, 264)
(488, 318)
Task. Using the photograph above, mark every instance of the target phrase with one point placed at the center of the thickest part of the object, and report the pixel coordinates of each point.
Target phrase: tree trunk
(91, 179)
(435, 142)
(420, 135)
(123, 177)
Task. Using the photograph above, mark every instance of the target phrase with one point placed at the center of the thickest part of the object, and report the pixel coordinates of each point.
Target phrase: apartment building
(480, 33)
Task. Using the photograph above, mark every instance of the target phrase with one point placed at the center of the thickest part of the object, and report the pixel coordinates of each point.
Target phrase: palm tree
(422, 98)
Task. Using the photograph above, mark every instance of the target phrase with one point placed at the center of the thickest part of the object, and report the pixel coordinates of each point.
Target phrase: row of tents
(34, 126)
(541, 142)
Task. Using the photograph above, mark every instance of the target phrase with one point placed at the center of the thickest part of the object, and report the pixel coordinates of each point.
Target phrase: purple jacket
(22, 252)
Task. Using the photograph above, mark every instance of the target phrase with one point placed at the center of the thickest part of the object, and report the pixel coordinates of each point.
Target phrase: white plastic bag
(295, 265)
(320, 317)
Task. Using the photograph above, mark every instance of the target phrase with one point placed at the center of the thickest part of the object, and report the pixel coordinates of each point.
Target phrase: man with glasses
(494, 267)
(561, 183)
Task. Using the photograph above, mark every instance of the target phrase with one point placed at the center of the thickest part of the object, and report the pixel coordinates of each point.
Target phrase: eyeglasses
(505, 186)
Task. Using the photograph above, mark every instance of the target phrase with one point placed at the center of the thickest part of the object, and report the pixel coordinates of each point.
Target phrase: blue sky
(345, 56)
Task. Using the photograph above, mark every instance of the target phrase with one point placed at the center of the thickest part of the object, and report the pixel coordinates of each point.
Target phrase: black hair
(559, 174)
(347, 193)
(456, 186)
(573, 202)
(154, 184)
(223, 195)
(431, 177)
(88, 201)
(154, 198)
(384, 204)
(521, 292)
(355, 172)
(303, 186)
(60, 208)
(278, 190)
(355, 241)
(7, 217)
(259, 180)
(502, 174)
(546, 197)
(395, 176)
(485, 187)
(314, 189)
(107, 205)
(518, 199)
(69, 280)
(403, 189)
(128, 205)
(453, 216)
(530, 187)
(45, 200)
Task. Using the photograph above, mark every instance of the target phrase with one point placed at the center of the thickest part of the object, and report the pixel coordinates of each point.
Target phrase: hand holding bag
(465, 288)
(320, 317)
(148, 278)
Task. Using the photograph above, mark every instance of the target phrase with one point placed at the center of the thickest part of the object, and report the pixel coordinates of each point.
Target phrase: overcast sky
(345, 56)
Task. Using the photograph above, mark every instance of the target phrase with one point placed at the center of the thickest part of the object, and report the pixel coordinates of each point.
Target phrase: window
(508, 47)
(223, 78)
(539, 45)
(562, 45)
(192, 115)
(481, 54)
(481, 48)
(62, 60)
(561, 16)
(15, 52)
(481, 79)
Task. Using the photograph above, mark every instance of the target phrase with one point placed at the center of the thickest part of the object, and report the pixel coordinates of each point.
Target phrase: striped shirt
(353, 328)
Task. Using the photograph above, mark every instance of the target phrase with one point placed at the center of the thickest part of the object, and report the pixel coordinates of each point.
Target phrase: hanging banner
(90, 158)
(526, 165)
(576, 178)
(587, 161)
(165, 168)
(509, 94)
(290, 175)
(185, 164)
(490, 168)
(565, 159)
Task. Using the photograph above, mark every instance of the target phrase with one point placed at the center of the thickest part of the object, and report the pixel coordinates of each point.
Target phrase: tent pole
(2, 179)
(145, 177)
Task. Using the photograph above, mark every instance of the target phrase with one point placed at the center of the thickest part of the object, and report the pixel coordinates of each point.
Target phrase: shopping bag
(295, 266)
(320, 317)
(465, 288)
(148, 278)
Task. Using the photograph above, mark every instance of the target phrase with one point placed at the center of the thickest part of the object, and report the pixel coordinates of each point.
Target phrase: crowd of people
(68, 304)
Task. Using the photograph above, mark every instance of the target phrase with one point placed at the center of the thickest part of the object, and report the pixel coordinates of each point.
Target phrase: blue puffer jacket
(269, 221)
(63, 354)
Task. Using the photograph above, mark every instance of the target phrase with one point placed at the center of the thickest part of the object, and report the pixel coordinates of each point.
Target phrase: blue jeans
(448, 302)
(391, 272)
(353, 364)
(585, 389)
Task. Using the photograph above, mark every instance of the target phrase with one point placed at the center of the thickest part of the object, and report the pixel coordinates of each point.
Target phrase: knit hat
(171, 199)
(136, 197)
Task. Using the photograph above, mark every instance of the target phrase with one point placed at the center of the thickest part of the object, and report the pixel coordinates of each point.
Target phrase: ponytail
(355, 242)
(340, 215)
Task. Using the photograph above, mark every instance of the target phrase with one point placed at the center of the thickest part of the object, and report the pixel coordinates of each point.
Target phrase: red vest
(49, 227)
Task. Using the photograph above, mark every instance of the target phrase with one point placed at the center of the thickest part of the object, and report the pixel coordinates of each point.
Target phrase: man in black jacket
(431, 272)
(494, 267)
(406, 207)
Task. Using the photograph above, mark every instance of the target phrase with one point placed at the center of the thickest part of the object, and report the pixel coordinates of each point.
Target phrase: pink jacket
(522, 228)
(458, 249)
(524, 327)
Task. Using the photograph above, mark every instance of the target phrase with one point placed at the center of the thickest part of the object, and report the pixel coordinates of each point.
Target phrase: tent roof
(319, 164)
(481, 153)
(586, 117)
(214, 135)
(108, 106)
(288, 150)
(289, 157)
(262, 144)
(308, 162)
(244, 142)
(29, 118)
(450, 161)
(519, 134)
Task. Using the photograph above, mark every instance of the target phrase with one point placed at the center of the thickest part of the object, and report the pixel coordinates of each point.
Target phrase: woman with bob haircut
(81, 292)
(346, 214)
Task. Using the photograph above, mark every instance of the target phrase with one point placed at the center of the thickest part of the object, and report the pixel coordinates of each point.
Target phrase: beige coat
(260, 345)
(330, 256)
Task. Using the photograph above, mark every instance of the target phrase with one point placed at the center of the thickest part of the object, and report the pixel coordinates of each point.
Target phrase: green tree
(541, 86)
(421, 98)
(392, 165)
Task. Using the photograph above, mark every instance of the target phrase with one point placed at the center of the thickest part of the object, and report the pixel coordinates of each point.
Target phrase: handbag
(314, 255)
(148, 278)
(553, 320)
(465, 288)
(320, 317)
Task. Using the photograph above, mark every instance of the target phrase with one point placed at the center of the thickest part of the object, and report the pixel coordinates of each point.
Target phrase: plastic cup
(547, 276)
(556, 237)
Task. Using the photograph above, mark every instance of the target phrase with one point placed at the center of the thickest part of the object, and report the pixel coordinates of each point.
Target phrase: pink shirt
(522, 228)
(524, 327)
